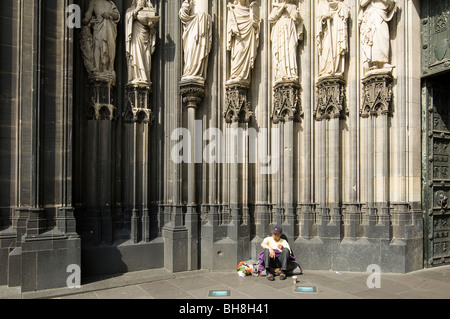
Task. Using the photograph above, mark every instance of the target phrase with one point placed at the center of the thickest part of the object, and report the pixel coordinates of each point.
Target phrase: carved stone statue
(243, 29)
(197, 40)
(99, 46)
(332, 36)
(287, 31)
(375, 39)
(140, 39)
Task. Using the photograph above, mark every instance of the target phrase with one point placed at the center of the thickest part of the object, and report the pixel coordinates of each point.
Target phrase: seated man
(276, 253)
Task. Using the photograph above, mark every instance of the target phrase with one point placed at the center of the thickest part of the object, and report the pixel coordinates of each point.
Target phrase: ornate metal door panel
(436, 159)
(435, 36)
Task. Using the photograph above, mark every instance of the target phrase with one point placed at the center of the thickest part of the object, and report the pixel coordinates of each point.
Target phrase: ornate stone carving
(140, 41)
(192, 94)
(238, 108)
(101, 106)
(287, 31)
(197, 40)
(377, 95)
(287, 103)
(138, 109)
(375, 39)
(243, 29)
(98, 46)
(332, 36)
(330, 99)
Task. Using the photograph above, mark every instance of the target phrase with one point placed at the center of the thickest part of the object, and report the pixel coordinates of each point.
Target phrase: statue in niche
(197, 40)
(99, 46)
(375, 39)
(243, 29)
(287, 31)
(332, 37)
(140, 41)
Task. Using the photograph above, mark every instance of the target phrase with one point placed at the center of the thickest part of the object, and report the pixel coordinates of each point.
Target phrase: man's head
(277, 231)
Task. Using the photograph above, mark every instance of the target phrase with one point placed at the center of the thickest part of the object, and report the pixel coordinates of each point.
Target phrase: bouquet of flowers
(244, 269)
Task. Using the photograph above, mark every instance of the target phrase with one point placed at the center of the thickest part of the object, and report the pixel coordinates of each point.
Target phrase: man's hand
(272, 253)
(280, 247)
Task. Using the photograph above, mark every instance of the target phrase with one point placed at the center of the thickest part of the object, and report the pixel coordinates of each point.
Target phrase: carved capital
(377, 95)
(238, 108)
(330, 101)
(101, 105)
(287, 103)
(192, 94)
(138, 108)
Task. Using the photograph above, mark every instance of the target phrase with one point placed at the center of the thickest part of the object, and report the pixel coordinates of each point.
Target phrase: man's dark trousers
(278, 262)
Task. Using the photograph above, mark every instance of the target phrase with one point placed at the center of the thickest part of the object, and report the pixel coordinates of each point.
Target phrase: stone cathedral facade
(175, 134)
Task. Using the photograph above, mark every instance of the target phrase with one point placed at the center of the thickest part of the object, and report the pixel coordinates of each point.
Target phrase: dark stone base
(122, 258)
(44, 263)
(7, 244)
(396, 256)
(224, 254)
(175, 249)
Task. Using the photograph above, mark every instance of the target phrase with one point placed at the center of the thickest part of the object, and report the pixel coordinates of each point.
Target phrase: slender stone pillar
(101, 115)
(138, 119)
(262, 116)
(330, 109)
(289, 225)
(237, 115)
(182, 236)
(334, 174)
(376, 108)
(351, 177)
(196, 37)
(305, 205)
(192, 215)
(287, 110)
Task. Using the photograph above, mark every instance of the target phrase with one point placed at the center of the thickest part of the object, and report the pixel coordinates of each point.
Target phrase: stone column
(376, 108)
(183, 238)
(237, 116)
(330, 109)
(181, 234)
(262, 116)
(305, 204)
(192, 213)
(101, 79)
(287, 110)
(351, 191)
(289, 225)
(138, 119)
(101, 124)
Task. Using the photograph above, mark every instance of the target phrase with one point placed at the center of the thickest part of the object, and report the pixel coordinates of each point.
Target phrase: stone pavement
(161, 284)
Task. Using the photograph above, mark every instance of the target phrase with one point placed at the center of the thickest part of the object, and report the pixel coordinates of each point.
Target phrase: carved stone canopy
(138, 109)
(330, 101)
(377, 95)
(287, 103)
(238, 108)
(101, 104)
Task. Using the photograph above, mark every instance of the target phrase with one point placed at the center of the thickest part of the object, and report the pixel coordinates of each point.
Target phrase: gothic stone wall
(347, 190)
(348, 187)
(37, 228)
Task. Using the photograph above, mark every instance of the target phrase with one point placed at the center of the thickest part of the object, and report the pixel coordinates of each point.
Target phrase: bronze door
(436, 170)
